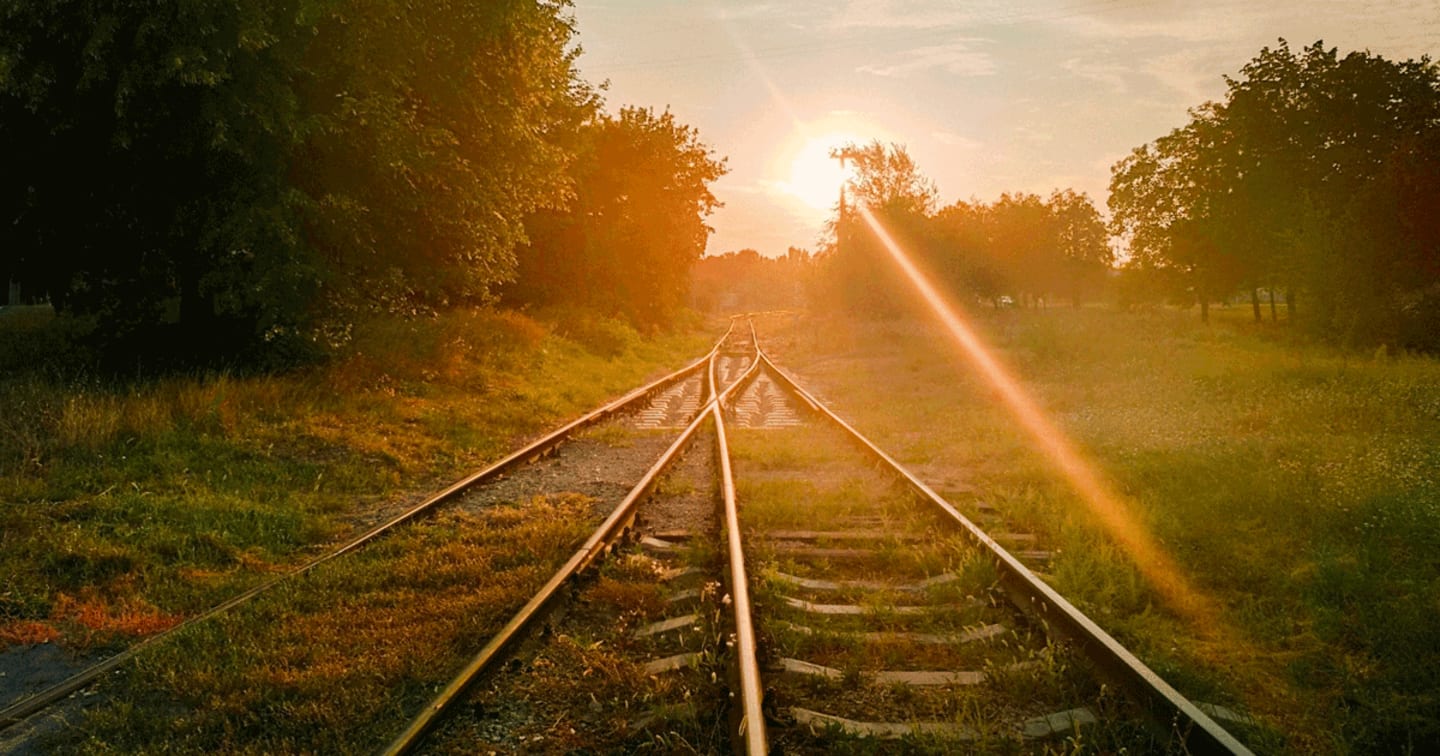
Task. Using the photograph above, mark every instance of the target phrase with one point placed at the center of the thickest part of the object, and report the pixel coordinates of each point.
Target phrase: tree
(1166, 201)
(636, 225)
(887, 180)
(857, 271)
(1294, 180)
(1082, 243)
(270, 167)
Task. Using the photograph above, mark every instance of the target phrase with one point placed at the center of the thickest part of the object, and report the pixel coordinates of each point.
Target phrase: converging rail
(25, 708)
(727, 370)
(788, 585)
(756, 395)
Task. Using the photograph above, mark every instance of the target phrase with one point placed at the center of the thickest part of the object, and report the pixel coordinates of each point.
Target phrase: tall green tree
(857, 272)
(626, 243)
(1082, 245)
(268, 168)
(1294, 181)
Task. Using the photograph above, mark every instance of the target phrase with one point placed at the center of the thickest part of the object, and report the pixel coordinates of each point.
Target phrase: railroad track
(880, 612)
(659, 408)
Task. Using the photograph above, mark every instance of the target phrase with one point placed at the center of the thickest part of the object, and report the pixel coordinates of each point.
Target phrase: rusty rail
(751, 737)
(599, 541)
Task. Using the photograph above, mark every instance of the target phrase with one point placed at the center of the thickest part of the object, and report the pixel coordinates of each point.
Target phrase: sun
(815, 177)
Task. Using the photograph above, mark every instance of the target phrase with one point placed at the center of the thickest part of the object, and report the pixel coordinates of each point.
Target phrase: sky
(988, 96)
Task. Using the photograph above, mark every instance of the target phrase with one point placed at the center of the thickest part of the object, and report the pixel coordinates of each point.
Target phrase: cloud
(1193, 73)
(960, 141)
(1033, 136)
(1111, 75)
(748, 11)
(903, 14)
(1179, 22)
(955, 58)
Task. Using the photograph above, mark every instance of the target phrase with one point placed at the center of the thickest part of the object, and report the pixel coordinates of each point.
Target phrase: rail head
(751, 736)
(1167, 706)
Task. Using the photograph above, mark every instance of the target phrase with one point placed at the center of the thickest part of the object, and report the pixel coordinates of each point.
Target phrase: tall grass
(1297, 485)
(157, 497)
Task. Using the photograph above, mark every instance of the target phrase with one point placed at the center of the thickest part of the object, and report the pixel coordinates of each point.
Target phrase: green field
(1296, 486)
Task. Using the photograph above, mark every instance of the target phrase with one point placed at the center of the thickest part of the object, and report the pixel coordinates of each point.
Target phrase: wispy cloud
(1033, 136)
(901, 14)
(958, 141)
(1178, 22)
(956, 58)
(1193, 73)
(1112, 75)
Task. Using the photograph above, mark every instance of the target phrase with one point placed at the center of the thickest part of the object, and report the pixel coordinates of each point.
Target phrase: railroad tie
(916, 678)
(969, 635)
(818, 722)
(665, 626)
(651, 543)
(1048, 726)
(670, 663)
(853, 610)
(871, 585)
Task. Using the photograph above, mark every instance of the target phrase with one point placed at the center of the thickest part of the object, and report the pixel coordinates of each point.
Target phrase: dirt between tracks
(603, 464)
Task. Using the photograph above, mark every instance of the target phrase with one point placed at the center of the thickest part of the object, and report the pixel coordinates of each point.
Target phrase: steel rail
(601, 539)
(751, 730)
(1166, 706)
(31, 705)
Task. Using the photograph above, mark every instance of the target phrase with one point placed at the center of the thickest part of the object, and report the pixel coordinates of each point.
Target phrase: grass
(131, 504)
(1298, 486)
(338, 662)
(581, 687)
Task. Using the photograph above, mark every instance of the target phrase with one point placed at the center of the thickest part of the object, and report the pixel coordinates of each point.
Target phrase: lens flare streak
(1113, 511)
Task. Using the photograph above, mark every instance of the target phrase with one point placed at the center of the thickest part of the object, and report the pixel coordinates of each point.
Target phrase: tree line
(253, 177)
(1315, 180)
(1318, 174)
(1022, 249)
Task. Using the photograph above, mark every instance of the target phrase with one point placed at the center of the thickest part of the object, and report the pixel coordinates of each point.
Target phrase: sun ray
(1113, 511)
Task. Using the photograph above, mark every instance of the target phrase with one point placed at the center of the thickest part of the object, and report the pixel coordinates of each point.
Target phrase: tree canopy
(266, 169)
(1316, 173)
(1022, 245)
(636, 225)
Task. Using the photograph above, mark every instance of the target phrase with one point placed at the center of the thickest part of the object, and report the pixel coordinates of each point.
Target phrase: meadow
(1296, 485)
(128, 504)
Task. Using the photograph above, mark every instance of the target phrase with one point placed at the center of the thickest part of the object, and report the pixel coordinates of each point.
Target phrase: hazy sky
(988, 96)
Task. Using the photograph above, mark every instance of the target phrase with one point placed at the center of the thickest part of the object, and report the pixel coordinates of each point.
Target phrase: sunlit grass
(338, 662)
(1297, 485)
(156, 498)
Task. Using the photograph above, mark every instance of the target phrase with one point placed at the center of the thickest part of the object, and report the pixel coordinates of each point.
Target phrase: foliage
(746, 281)
(1021, 246)
(1316, 173)
(270, 168)
(626, 243)
(887, 179)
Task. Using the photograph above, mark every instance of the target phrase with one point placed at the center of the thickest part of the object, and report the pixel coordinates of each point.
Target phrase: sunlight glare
(1113, 511)
(815, 177)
